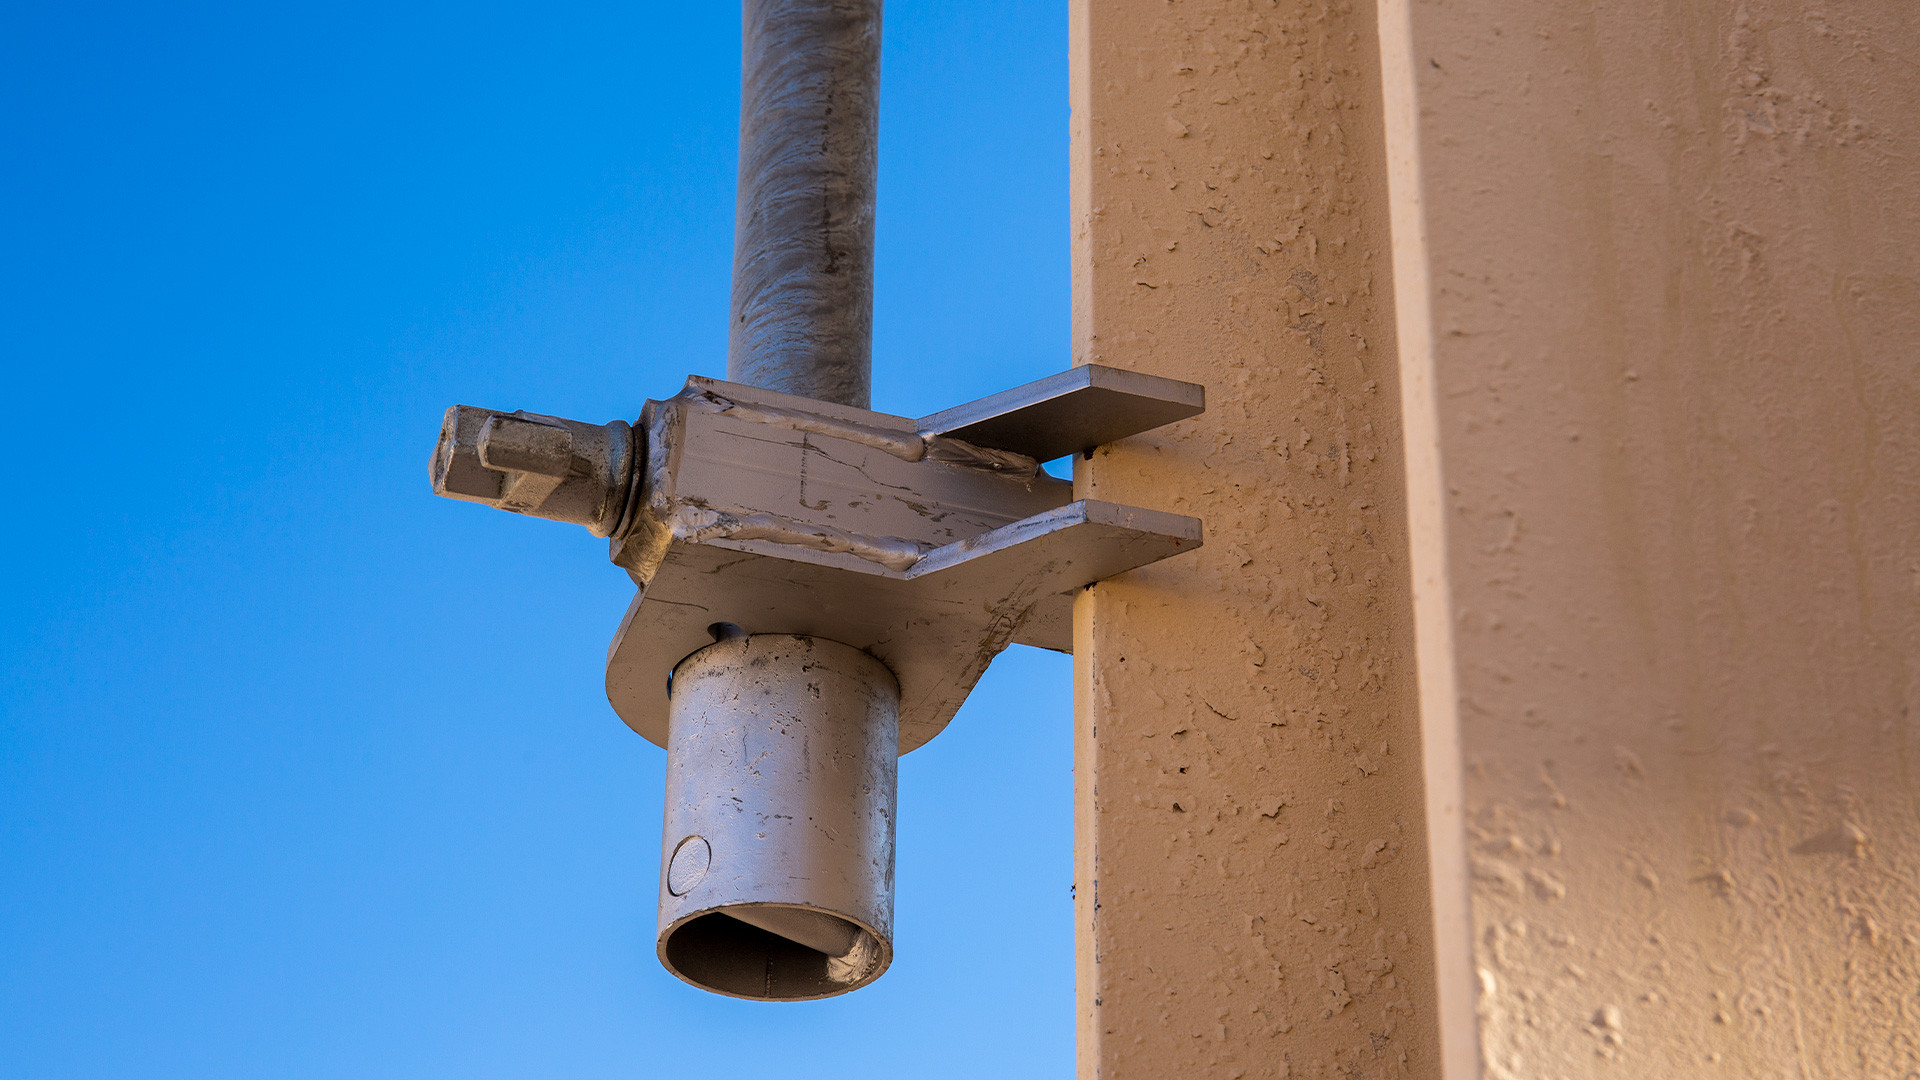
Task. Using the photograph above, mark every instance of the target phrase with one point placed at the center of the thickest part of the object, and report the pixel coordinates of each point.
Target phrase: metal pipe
(777, 868)
(777, 865)
(802, 313)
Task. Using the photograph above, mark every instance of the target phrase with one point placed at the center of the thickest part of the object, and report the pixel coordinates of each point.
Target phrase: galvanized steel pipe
(802, 313)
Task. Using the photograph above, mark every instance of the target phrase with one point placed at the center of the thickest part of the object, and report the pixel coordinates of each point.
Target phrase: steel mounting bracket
(931, 544)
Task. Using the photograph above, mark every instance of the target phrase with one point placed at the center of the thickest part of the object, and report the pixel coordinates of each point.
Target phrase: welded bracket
(932, 544)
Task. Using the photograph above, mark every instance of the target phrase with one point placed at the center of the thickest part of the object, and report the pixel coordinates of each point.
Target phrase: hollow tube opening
(733, 951)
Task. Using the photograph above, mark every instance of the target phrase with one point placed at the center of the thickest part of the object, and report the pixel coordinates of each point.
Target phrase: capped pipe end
(542, 466)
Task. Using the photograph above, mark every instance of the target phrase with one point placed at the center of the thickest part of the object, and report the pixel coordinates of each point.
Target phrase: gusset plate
(931, 624)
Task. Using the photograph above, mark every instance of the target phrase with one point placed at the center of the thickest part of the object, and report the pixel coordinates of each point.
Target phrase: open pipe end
(774, 952)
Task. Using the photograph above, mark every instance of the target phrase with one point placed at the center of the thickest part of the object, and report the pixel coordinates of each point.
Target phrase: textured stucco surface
(1250, 884)
(1660, 292)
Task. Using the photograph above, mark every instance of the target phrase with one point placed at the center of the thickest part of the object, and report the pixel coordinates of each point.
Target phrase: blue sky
(306, 773)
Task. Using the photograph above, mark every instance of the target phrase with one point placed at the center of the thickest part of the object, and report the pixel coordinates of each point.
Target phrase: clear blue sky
(306, 773)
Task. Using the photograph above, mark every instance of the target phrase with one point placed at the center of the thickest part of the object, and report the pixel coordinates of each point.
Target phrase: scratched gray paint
(782, 515)
(802, 311)
(777, 853)
(820, 588)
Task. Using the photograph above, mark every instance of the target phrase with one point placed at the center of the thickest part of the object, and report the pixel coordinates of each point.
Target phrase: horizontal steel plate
(936, 625)
(1076, 410)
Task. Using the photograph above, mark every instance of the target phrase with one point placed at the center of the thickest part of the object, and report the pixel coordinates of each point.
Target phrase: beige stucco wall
(1658, 280)
(1251, 869)
(1629, 398)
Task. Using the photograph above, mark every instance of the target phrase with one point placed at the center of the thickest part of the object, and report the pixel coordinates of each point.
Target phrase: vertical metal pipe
(776, 878)
(802, 314)
(777, 872)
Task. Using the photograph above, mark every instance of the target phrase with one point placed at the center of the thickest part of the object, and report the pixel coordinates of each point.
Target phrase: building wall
(1251, 880)
(1658, 280)
(1617, 426)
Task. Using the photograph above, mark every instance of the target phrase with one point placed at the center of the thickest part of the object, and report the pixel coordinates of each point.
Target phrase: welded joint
(930, 543)
(825, 584)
